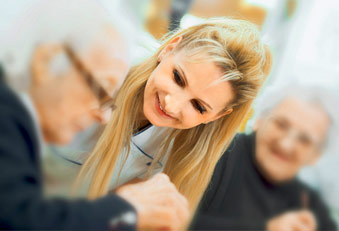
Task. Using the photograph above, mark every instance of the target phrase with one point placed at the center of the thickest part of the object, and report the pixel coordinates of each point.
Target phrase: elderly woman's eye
(177, 78)
(281, 124)
(198, 107)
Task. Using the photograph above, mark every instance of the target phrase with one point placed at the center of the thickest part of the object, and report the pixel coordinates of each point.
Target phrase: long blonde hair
(235, 47)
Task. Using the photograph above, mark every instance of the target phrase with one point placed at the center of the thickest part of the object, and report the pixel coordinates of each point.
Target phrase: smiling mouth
(160, 110)
(280, 156)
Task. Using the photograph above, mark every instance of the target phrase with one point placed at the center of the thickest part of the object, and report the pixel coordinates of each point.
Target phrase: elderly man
(254, 186)
(73, 80)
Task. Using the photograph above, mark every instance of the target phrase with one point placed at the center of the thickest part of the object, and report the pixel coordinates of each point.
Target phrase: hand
(158, 203)
(302, 220)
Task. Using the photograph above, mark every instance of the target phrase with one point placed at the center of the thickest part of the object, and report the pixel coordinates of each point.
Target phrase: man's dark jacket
(240, 198)
(22, 203)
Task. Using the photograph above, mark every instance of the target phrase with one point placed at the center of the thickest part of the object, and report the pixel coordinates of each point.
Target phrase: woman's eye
(178, 79)
(198, 107)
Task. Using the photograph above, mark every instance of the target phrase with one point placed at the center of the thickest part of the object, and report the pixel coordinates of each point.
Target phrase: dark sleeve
(210, 214)
(322, 214)
(221, 177)
(218, 222)
(22, 205)
(1, 74)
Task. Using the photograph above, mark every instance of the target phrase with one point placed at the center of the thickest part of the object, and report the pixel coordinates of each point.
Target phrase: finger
(151, 217)
(179, 198)
(179, 201)
(183, 214)
(159, 181)
(183, 217)
(172, 188)
(298, 225)
(176, 204)
(161, 177)
(181, 209)
(165, 218)
(308, 218)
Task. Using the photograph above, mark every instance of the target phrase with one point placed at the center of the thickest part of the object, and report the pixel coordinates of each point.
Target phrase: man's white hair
(75, 22)
(321, 96)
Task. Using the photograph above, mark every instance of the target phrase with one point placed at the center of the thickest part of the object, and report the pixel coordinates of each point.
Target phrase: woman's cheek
(189, 117)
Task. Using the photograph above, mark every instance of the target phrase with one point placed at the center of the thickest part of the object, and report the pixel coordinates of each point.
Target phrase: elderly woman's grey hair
(321, 96)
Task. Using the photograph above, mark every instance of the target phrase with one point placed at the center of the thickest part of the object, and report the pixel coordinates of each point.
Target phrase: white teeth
(162, 108)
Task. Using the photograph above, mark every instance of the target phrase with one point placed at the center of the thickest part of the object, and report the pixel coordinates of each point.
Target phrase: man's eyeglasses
(105, 100)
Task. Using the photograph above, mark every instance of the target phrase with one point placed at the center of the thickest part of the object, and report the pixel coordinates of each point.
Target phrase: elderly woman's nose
(288, 142)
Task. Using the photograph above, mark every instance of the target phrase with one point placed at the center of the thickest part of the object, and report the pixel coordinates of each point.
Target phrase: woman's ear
(170, 47)
(41, 58)
(176, 40)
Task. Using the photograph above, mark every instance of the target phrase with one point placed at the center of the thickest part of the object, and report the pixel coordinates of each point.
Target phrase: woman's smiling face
(182, 94)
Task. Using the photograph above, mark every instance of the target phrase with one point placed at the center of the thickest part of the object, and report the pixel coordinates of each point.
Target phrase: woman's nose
(173, 104)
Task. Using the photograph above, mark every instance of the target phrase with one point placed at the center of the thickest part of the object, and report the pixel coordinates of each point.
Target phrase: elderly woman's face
(289, 138)
(182, 95)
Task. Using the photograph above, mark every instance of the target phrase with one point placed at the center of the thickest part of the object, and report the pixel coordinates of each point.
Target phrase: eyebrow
(183, 74)
(205, 104)
(186, 82)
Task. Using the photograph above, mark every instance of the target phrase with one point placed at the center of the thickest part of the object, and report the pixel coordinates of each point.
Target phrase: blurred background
(303, 35)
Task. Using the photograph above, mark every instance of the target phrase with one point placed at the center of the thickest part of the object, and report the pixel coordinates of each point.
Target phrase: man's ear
(41, 58)
(170, 46)
(229, 111)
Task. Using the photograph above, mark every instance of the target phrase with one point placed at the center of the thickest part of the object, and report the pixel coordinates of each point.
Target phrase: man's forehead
(107, 44)
(107, 59)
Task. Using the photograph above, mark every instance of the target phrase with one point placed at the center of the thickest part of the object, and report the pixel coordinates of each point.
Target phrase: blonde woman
(194, 93)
